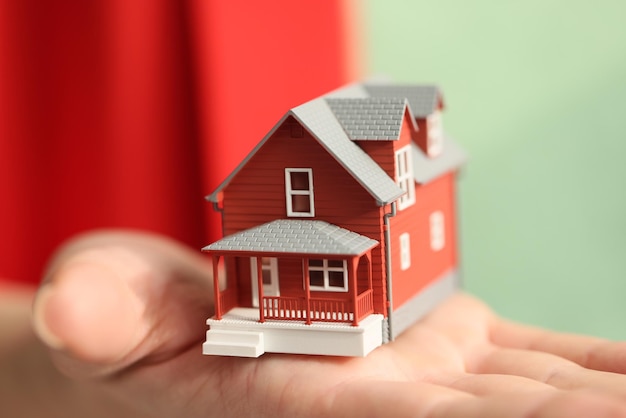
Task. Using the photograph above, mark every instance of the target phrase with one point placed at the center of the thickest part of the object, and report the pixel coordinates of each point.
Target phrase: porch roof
(294, 236)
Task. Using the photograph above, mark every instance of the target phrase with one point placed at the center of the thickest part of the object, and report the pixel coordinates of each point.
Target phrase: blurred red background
(126, 113)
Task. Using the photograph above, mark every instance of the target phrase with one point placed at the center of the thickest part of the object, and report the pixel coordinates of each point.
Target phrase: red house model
(340, 226)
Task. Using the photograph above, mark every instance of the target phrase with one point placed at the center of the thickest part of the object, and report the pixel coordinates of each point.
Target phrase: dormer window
(299, 192)
(434, 140)
(404, 177)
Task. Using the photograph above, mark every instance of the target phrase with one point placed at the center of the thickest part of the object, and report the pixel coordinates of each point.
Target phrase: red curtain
(118, 113)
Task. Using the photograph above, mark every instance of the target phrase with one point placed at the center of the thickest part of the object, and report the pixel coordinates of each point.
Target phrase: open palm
(125, 313)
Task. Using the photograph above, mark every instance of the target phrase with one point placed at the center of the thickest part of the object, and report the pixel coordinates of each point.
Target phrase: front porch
(327, 274)
(239, 333)
(308, 307)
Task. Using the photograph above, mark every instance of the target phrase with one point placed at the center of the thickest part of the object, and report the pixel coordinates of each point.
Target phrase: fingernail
(40, 317)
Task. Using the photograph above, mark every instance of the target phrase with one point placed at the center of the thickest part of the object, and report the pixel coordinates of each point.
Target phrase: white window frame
(289, 192)
(325, 269)
(404, 176)
(437, 224)
(434, 130)
(405, 251)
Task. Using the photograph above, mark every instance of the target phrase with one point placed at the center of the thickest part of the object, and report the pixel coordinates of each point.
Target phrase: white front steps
(222, 342)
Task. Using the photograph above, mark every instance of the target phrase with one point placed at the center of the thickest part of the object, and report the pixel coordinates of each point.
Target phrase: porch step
(233, 343)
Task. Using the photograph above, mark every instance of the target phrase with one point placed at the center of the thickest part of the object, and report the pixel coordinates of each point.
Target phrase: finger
(537, 404)
(551, 369)
(445, 340)
(393, 399)
(15, 302)
(440, 362)
(464, 320)
(488, 384)
(432, 401)
(590, 352)
(448, 337)
(110, 299)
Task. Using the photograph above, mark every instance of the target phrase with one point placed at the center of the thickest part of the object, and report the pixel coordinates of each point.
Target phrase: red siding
(382, 152)
(421, 135)
(257, 195)
(290, 277)
(426, 264)
(406, 134)
(244, 281)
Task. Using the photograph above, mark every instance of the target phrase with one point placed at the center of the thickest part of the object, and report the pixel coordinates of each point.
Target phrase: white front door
(269, 269)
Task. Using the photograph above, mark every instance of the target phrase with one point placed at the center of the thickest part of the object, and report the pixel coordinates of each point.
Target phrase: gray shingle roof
(370, 118)
(317, 118)
(343, 115)
(290, 236)
(423, 99)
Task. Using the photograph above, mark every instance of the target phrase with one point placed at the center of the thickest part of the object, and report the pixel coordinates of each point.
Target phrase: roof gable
(371, 118)
(367, 111)
(423, 99)
(318, 119)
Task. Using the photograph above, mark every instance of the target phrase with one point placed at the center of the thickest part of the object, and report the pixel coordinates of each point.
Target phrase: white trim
(404, 176)
(239, 333)
(405, 251)
(271, 289)
(437, 231)
(290, 192)
(434, 130)
(326, 270)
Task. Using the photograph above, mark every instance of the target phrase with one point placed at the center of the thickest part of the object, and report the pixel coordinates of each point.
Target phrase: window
(437, 231)
(405, 251)
(299, 192)
(434, 144)
(328, 275)
(404, 177)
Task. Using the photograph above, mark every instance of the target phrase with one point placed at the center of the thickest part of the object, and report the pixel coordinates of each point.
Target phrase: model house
(339, 227)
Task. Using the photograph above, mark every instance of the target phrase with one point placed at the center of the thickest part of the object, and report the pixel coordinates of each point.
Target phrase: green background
(536, 93)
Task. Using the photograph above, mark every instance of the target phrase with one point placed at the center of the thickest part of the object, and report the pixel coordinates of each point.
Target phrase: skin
(122, 316)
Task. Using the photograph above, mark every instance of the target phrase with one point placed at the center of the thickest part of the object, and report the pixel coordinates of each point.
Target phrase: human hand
(125, 314)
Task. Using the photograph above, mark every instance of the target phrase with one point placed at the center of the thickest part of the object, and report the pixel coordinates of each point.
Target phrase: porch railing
(329, 310)
(323, 310)
(284, 308)
(365, 304)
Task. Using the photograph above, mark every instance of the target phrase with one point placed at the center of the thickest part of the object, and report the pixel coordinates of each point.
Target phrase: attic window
(299, 192)
(404, 177)
(434, 141)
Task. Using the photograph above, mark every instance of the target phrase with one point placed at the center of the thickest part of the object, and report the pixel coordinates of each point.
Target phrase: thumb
(112, 299)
